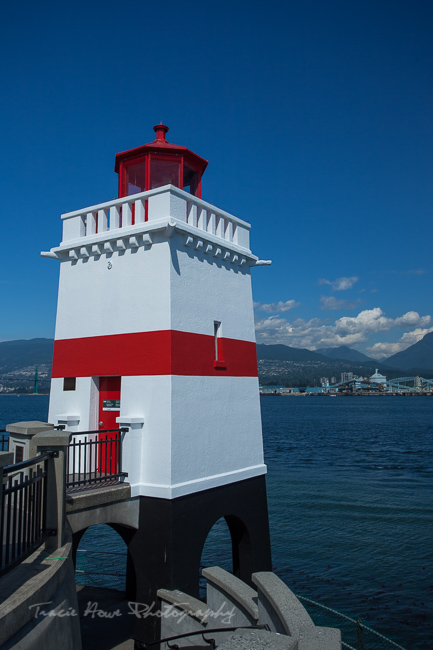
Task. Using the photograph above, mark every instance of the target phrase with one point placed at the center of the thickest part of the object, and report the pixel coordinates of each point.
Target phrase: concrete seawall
(26, 588)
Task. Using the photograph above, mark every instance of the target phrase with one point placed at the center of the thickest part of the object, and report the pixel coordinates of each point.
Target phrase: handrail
(142, 645)
(18, 467)
(84, 433)
(23, 525)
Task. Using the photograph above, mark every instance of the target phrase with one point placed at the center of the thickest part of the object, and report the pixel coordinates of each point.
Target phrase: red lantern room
(159, 163)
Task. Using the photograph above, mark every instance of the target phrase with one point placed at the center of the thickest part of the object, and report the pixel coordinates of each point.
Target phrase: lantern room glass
(136, 178)
(164, 172)
(191, 180)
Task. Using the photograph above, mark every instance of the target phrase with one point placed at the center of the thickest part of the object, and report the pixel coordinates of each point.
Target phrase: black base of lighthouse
(166, 550)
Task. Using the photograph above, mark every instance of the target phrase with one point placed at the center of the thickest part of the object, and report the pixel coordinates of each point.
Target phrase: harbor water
(350, 486)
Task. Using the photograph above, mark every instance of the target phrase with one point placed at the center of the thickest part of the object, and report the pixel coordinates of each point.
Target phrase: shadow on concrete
(105, 620)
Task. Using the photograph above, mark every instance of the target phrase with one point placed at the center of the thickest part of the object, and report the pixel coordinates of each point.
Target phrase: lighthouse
(155, 335)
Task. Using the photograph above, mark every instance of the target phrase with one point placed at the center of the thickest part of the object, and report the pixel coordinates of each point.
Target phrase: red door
(109, 410)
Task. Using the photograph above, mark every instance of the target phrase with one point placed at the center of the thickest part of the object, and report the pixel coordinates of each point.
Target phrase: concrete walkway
(105, 622)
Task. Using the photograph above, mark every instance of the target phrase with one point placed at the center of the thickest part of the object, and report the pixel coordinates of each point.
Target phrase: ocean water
(350, 487)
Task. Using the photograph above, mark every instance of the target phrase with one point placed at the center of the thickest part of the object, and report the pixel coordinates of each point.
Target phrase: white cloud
(409, 272)
(340, 284)
(368, 320)
(379, 350)
(277, 307)
(348, 330)
(331, 302)
(412, 319)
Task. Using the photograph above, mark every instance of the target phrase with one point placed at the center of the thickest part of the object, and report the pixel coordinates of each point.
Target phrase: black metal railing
(355, 635)
(4, 440)
(211, 642)
(94, 457)
(24, 508)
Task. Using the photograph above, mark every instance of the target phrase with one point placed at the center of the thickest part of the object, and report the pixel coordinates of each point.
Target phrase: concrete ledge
(52, 438)
(258, 640)
(322, 638)
(231, 603)
(195, 608)
(284, 613)
(28, 428)
(222, 585)
(110, 505)
(34, 581)
(182, 614)
(279, 607)
(92, 497)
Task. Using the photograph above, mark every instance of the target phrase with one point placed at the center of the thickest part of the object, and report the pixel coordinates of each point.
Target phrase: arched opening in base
(101, 559)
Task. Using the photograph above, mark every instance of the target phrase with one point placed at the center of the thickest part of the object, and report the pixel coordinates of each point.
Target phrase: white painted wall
(131, 296)
(204, 289)
(147, 449)
(216, 430)
(81, 402)
(166, 286)
(198, 432)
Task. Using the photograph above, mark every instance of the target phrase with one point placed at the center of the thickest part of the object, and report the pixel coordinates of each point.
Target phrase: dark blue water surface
(350, 487)
(20, 408)
(351, 512)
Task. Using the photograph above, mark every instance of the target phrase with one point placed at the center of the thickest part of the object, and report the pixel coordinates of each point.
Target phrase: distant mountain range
(22, 354)
(418, 355)
(286, 353)
(343, 352)
(281, 364)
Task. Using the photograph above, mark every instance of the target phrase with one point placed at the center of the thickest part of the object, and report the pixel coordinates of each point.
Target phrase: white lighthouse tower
(155, 333)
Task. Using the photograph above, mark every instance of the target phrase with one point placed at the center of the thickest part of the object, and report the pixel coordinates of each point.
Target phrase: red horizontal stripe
(167, 352)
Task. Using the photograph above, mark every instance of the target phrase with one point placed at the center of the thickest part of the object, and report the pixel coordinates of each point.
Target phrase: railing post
(360, 634)
(21, 435)
(6, 458)
(58, 442)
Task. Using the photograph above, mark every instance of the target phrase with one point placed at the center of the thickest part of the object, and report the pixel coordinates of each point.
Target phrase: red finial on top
(160, 130)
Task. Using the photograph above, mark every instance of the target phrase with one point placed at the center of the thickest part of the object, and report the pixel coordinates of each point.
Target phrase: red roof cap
(161, 143)
(160, 130)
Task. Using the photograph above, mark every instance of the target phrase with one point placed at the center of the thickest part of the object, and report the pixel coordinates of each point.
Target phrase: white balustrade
(167, 202)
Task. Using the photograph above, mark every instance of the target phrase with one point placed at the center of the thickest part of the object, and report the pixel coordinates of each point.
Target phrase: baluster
(79, 461)
(25, 517)
(8, 522)
(211, 226)
(228, 230)
(114, 217)
(219, 226)
(234, 232)
(91, 224)
(103, 220)
(139, 211)
(192, 213)
(14, 520)
(126, 215)
(201, 218)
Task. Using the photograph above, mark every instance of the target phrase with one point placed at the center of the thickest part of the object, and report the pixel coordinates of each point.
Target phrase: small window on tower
(218, 346)
(69, 383)
(216, 327)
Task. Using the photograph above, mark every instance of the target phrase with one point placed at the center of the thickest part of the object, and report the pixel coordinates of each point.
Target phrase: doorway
(109, 410)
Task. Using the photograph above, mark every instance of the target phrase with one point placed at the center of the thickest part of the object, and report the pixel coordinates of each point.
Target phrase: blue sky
(316, 119)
